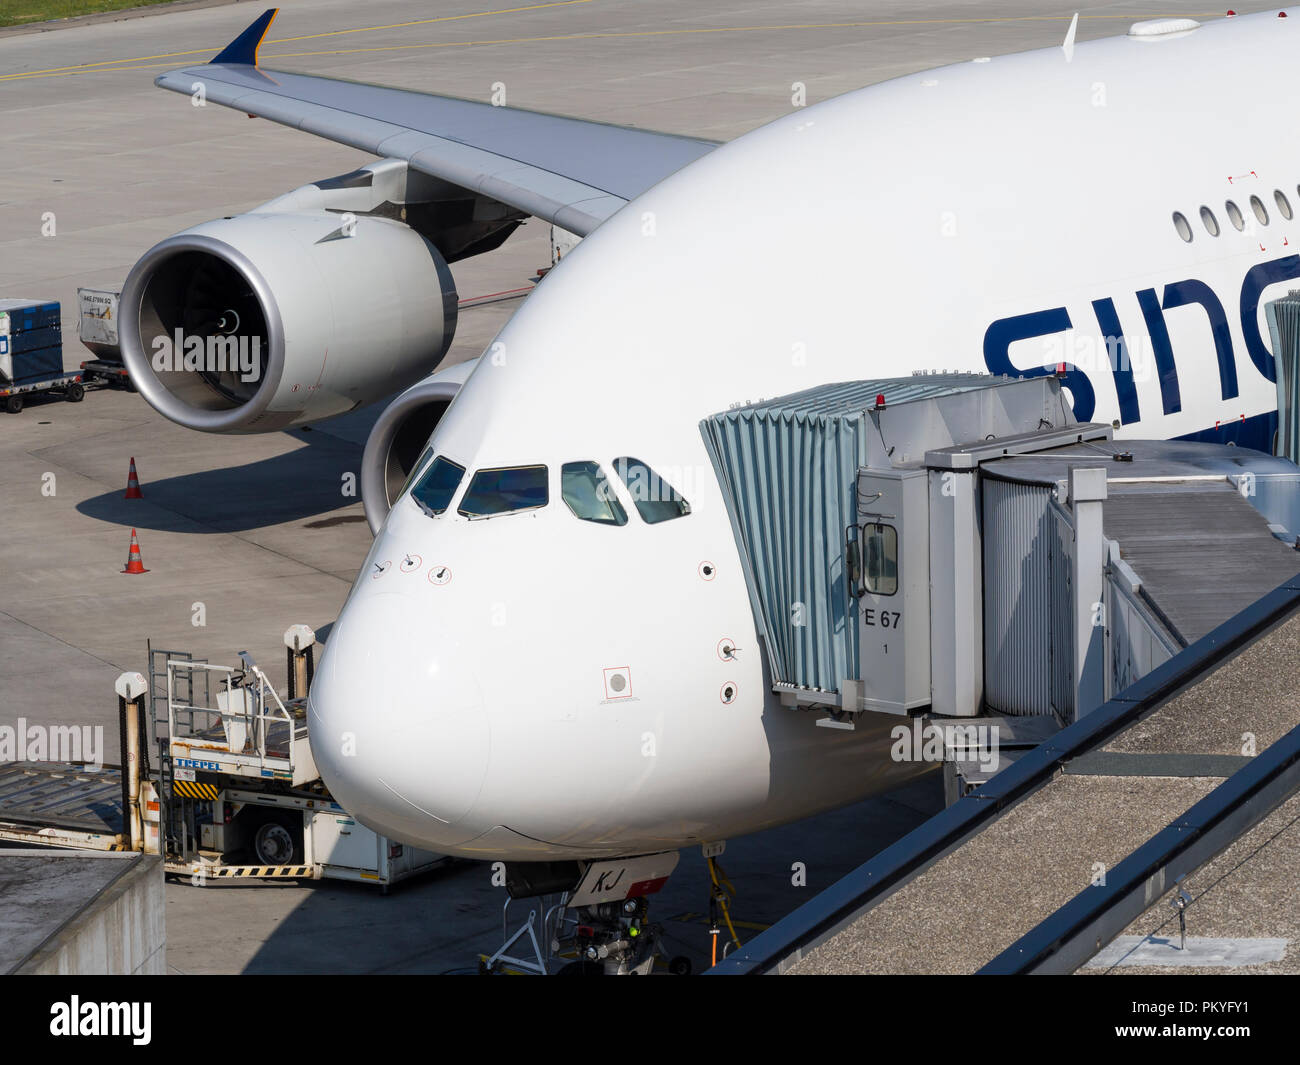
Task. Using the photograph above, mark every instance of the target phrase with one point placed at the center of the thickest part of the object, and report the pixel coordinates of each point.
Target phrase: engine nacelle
(283, 316)
(398, 438)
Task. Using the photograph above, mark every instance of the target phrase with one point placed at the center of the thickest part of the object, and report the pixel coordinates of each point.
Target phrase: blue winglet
(243, 49)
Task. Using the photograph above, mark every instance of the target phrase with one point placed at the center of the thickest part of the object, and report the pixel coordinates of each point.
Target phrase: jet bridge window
(880, 558)
(656, 500)
(505, 490)
(587, 492)
(433, 491)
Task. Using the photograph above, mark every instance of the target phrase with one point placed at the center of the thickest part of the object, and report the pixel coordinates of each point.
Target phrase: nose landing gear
(611, 939)
(600, 926)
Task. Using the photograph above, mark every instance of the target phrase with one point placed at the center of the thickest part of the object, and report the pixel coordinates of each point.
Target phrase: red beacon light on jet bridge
(880, 401)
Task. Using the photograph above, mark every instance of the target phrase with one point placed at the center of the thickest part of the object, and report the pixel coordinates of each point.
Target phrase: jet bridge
(961, 545)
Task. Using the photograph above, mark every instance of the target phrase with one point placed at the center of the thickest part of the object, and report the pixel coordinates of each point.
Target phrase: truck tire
(13, 404)
(277, 839)
(75, 392)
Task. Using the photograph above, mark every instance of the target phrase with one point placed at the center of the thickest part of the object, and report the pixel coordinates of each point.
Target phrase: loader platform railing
(243, 728)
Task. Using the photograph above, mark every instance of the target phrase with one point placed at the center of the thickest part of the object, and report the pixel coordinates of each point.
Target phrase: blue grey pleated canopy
(788, 470)
(1284, 324)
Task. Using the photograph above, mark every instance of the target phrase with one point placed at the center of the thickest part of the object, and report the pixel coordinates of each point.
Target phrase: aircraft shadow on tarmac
(299, 484)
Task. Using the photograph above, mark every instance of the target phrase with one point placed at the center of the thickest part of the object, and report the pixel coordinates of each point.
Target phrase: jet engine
(266, 320)
(330, 297)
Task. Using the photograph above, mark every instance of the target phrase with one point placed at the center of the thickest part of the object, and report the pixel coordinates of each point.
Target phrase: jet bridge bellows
(1283, 318)
(959, 544)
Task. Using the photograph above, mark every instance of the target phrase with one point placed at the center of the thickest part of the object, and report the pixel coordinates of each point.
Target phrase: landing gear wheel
(13, 404)
(275, 842)
(75, 392)
(680, 965)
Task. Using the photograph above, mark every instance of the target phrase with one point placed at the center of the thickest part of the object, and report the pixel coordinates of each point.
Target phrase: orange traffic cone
(133, 484)
(134, 563)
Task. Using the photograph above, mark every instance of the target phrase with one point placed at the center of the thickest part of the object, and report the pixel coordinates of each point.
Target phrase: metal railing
(247, 717)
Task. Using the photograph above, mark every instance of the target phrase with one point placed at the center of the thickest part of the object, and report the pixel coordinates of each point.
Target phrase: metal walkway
(1188, 542)
(79, 804)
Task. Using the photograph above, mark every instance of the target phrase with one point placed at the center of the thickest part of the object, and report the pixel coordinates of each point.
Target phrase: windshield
(434, 490)
(505, 490)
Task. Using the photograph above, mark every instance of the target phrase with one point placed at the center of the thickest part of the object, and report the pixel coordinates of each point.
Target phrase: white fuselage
(878, 233)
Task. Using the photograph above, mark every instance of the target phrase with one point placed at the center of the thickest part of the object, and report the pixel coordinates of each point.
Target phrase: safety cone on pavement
(133, 483)
(134, 563)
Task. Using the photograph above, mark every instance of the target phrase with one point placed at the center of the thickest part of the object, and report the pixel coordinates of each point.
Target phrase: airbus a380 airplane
(515, 643)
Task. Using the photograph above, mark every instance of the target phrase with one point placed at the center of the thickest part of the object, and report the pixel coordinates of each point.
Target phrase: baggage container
(31, 341)
(31, 354)
(98, 322)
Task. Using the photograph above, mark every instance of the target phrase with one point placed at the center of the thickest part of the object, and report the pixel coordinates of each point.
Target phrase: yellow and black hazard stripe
(259, 871)
(243, 872)
(193, 789)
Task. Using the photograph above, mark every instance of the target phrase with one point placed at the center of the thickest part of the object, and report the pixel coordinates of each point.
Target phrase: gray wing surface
(567, 171)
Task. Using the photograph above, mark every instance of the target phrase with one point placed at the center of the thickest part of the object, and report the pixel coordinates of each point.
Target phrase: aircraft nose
(398, 725)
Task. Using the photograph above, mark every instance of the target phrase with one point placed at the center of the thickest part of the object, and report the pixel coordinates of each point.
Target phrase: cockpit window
(433, 491)
(587, 492)
(505, 490)
(656, 500)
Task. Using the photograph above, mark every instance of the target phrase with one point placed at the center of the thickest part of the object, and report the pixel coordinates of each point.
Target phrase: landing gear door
(893, 589)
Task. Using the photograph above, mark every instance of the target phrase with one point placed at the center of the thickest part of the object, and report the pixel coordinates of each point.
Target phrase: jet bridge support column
(956, 594)
(131, 689)
(299, 640)
(1087, 494)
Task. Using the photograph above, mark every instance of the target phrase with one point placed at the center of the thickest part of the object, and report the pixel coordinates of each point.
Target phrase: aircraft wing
(563, 170)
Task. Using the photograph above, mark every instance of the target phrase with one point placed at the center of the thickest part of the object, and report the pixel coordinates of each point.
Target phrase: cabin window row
(1238, 219)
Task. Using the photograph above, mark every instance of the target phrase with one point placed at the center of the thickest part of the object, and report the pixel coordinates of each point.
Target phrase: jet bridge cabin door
(890, 578)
